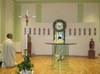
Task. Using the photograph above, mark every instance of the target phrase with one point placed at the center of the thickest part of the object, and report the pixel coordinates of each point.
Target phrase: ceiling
(49, 1)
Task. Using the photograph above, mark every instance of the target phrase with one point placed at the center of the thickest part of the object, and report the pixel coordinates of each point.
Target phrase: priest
(9, 52)
(59, 54)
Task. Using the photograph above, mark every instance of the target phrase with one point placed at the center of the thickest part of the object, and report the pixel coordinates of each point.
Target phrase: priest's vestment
(8, 53)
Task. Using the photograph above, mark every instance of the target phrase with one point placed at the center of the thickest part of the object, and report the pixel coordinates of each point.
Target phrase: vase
(26, 72)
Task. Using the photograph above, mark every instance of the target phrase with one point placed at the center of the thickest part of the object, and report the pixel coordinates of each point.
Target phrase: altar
(60, 54)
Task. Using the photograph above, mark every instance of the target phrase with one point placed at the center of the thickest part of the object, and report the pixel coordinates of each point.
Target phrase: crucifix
(26, 16)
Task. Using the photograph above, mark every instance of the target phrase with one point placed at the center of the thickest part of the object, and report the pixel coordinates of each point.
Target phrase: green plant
(26, 64)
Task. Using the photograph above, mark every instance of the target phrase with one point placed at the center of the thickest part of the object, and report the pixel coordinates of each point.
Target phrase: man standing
(9, 51)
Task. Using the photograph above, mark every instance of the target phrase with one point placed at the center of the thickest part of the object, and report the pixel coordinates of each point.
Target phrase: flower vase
(25, 72)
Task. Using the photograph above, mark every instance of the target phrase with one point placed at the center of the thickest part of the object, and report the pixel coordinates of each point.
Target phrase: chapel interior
(37, 25)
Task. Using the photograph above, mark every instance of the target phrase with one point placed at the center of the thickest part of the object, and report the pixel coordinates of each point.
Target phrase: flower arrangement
(25, 67)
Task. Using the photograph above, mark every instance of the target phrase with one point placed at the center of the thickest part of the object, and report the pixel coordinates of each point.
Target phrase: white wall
(80, 49)
(17, 46)
(49, 12)
(66, 11)
(0, 18)
(1, 48)
(31, 9)
(9, 16)
(91, 12)
(52, 11)
(82, 46)
(38, 41)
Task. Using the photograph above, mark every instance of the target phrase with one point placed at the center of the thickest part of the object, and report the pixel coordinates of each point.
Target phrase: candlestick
(26, 41)
(27, 32)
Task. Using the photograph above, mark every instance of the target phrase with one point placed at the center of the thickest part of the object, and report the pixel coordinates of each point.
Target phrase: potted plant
(25, 67)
